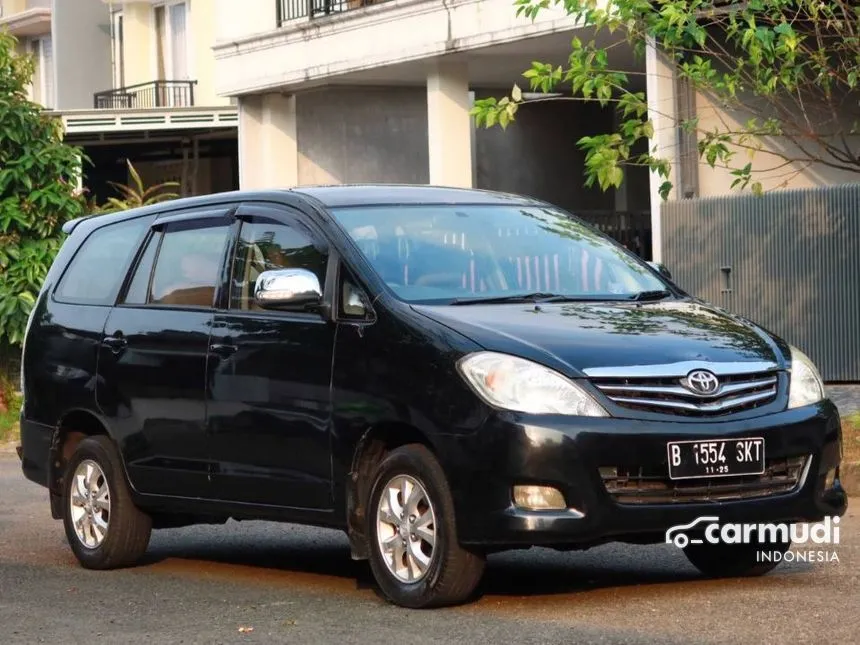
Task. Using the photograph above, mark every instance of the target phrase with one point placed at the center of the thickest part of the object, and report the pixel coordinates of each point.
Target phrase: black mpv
(440, 373)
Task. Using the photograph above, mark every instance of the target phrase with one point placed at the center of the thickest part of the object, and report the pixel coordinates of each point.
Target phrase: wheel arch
(73, 427)
(377, 441)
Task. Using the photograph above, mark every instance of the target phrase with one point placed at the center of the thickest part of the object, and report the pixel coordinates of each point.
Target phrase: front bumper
(520, 449)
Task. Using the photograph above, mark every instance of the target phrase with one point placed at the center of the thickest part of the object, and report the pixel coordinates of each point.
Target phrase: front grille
(640, 485)
(669, 395)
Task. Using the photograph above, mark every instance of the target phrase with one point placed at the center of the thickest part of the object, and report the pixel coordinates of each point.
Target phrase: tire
(451, 573)
(124, 529)
(733, 560)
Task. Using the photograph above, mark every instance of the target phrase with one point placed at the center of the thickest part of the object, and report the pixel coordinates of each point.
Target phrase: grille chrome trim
(671, 394)
(637, 486)
(731, 388)
(713, 406)
(682, 368)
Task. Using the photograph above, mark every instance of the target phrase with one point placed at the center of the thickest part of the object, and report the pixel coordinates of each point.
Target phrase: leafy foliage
(37, 195)
(791, 66)
(136, 194)
(10, 409)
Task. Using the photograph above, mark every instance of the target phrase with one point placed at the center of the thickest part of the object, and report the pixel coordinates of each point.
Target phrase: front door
(152, 363)
(270, 374)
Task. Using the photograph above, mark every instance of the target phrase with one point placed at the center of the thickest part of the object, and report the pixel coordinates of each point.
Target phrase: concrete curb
(8, 448)
(849, 475)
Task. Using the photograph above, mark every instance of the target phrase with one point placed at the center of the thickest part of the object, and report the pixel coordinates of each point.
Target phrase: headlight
(518, 384)
(805, 387)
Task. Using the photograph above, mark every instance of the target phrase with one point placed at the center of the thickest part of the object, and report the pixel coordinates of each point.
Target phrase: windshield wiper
(654, 294)
(537, 296)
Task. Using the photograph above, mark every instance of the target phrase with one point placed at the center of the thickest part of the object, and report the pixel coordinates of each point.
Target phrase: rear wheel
(734, 560)
(414, 553)
(103, 526)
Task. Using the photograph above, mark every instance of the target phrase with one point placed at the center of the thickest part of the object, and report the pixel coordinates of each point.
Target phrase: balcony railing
(293, 9)
(154, 94)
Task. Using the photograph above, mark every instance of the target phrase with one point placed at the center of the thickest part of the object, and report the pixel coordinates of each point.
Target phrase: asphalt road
(297, 585)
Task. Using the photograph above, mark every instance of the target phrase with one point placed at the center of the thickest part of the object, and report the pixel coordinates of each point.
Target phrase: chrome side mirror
(293, 288)
(661, 269)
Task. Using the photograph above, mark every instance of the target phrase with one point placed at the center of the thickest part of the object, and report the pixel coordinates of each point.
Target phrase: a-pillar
(449, 126)
(268, 148)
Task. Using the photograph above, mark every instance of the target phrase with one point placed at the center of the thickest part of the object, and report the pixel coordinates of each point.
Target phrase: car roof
(329, 196)
(393, 194)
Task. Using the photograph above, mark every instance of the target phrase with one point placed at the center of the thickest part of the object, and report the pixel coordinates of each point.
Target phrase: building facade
(342, 91)
(380, 90)
(30, 22)
(132, 80)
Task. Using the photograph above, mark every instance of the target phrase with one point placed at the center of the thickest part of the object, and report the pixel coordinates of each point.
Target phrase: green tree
(788, 68)
(37, 191)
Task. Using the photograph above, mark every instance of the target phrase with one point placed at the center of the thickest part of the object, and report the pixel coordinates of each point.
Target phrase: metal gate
(789, 260)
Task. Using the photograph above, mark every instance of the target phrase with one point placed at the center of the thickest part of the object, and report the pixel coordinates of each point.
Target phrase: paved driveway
(846, 397)
(298, 585)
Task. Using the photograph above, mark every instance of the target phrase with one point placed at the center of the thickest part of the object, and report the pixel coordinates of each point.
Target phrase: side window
(187, 265)
(265, 245)
(97, 269)
(353, 303)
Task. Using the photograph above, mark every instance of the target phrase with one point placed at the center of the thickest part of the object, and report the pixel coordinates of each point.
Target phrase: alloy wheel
(406, 528)
(89, 502)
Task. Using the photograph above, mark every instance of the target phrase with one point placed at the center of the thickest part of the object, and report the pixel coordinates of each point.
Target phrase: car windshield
(459, 253)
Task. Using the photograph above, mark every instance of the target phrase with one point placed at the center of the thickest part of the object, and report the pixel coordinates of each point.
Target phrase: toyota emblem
(702, 382)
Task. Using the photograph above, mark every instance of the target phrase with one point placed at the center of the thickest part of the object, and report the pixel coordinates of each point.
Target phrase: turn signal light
(539, 498)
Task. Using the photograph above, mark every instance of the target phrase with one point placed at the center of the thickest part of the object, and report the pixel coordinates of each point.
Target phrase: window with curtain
(48, 71)
(36, 52)
(118, 54)
(178, 41)
(160, 44)
(43, 74)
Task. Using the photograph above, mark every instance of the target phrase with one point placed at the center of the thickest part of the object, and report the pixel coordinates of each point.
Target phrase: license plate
(715, 458)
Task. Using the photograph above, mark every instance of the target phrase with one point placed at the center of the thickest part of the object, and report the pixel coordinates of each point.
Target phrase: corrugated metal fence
(632, 229)
(789, 260)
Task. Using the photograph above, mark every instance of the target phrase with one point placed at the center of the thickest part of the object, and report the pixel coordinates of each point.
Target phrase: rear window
(97, 269)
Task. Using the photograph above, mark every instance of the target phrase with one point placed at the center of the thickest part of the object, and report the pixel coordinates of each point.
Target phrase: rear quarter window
(97, 269)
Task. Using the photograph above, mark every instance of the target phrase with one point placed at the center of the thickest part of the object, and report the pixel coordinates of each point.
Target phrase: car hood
(575, 337)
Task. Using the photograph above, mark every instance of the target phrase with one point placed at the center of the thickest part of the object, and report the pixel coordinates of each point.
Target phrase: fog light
(830, 478)
(539, 498)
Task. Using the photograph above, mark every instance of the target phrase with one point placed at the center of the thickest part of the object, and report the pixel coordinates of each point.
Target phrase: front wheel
(735, 560)
(414, 553)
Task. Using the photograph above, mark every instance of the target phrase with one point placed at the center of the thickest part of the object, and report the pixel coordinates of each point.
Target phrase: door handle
(116, 343)
(222, 350)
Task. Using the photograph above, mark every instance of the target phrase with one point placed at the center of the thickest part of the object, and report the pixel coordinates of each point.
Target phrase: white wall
(718, 181)
(82, 47)
(386, 34)
(236, 19)
(202, 25)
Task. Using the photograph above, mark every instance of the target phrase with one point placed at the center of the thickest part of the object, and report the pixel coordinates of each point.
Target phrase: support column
(250, 124)
(449, 126)
(661, 93)
(268, 145)
(79, 174)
